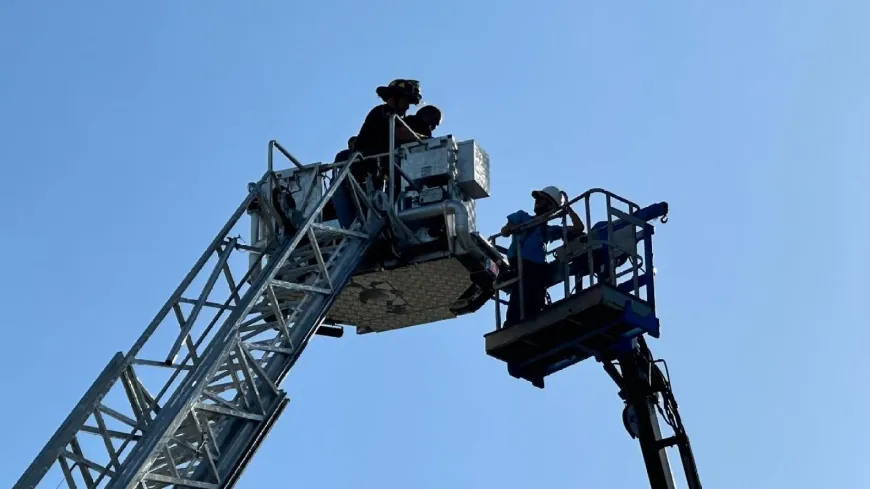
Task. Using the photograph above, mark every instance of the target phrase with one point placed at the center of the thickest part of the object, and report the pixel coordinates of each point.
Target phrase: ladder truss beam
(192, 400)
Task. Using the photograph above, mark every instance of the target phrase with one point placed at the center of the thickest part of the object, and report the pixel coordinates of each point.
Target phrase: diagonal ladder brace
(236, 429)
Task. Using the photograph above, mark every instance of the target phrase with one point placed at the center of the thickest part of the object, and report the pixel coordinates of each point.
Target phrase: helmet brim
(386, 92)
(537, 194)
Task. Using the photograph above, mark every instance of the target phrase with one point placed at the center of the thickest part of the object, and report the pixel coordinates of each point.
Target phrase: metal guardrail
(616, 221)
(393, 167)
(273, 144)
(359, 196)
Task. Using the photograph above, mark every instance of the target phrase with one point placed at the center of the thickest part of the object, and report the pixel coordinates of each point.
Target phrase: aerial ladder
(191, 402)
(199, 424)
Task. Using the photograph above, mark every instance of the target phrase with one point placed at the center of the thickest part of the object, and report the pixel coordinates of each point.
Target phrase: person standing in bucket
(345, 154)
(342, 199)
(425, 121)
(532, 244)
(374, 135)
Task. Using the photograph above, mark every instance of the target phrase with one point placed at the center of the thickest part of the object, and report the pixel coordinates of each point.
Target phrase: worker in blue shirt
(533, 246)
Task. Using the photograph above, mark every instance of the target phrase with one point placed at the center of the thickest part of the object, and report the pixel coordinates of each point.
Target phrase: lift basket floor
(591, 323)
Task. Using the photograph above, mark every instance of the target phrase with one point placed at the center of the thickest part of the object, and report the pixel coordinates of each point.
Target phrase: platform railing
(584, 246)
(361, 198)
(393, 162)
(268, 213)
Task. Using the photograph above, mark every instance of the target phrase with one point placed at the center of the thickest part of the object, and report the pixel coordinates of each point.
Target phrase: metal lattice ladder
(199, 423)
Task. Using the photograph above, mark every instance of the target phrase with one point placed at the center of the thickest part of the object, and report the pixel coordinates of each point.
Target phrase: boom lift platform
(607, 308)
(189, 404)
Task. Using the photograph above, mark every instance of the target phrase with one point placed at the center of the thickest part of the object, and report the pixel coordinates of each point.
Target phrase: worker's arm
(576, 223)
(514, 221)
(405, 135)
(506, 229)
(575, 229)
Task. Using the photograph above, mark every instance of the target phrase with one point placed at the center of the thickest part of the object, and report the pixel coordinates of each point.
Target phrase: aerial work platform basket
(587, 324)
(608, 292)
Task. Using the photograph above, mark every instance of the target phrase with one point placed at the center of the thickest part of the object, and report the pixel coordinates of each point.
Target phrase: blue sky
(128, 134)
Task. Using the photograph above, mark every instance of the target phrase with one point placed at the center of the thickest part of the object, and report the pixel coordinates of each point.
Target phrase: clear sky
(128, 134)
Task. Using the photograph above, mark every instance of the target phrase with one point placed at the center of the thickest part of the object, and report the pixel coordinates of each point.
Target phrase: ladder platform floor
(590, 323)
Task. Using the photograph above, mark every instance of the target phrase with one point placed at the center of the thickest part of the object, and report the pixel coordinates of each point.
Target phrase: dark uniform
(374, 135)
(342, 204)
(426, 120)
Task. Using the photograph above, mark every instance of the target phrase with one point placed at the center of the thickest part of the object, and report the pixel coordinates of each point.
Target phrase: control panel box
(472, 170)
(471, 208)
(435, 157)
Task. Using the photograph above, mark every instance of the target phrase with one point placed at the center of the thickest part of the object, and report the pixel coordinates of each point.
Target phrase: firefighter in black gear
(374, 135)
(425, 121)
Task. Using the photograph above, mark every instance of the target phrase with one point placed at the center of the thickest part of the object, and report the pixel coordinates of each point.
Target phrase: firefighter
(532, 244)
(425, 121)
(374, 135)
(345, 154)
(341, 204)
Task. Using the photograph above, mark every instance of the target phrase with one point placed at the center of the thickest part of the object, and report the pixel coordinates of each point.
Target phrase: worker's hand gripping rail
(598, 254)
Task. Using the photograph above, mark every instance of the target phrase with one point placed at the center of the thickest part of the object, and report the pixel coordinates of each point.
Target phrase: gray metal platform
(588, 324)
(391, 299)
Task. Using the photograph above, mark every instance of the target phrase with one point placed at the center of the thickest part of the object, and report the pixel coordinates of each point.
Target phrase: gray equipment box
(432, 157)
(473, 170)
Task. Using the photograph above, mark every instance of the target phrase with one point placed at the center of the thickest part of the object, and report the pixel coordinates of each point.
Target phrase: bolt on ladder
(199, 423)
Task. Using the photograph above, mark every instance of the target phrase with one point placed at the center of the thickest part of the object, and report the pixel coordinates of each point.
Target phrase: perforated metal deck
(590, 323)
(416, 294)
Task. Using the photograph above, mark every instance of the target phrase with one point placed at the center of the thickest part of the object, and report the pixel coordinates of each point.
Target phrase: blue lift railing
(616, 250)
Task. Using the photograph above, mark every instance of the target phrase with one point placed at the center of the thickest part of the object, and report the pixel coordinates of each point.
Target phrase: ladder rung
(330, 229)
(273, 349)
(185, 300)
(300, 287)
(155, 363)
(228, 412)
(111, 433)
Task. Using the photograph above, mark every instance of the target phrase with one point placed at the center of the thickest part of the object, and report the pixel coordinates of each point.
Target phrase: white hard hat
(552, 193)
